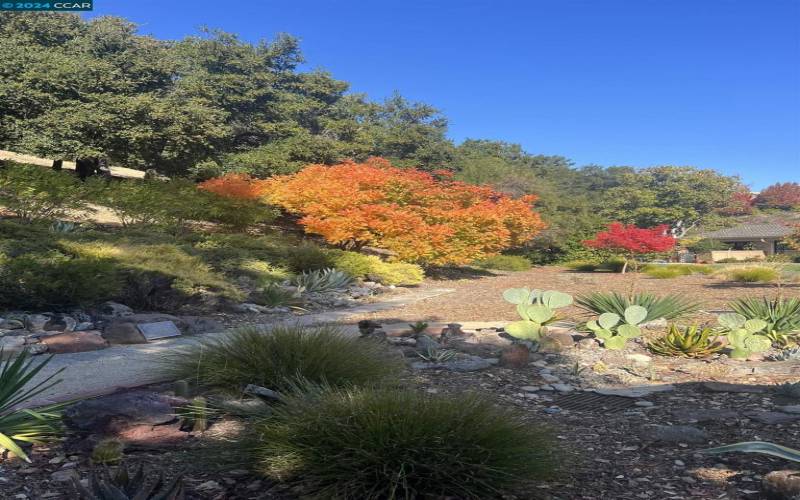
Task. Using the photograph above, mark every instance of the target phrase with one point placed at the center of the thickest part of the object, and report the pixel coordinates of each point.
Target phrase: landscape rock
(563, 388)
(11, 324)
(35, 322)
(639, 358)
(196, 325)
(68, 342)
(515, 356)
(656, 324)
(588, 343)
(60, 323)
(145, 436)
(735, 388)
(119, 411)
(12, 344)
(115, 310)
(782, 485)
(123, 332)
(794, 409)
(65, 476)
(674, 434)
(83, 326)
(771, 417)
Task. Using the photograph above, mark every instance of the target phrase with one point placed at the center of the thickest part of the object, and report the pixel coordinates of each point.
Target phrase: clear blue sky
(710, 83)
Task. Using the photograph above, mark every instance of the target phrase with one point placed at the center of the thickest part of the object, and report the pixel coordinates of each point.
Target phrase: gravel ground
(478, 297)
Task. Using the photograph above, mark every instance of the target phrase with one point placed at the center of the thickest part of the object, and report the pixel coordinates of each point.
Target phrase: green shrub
(308, 257)
(582, 266)
(505, 263)
(355, 264)
(666, 271)
(236, 213)
(392, 444)
(53, 279)
(753, 274)
(35, 193)
(667, 307)
(397, 273)
(282, 357)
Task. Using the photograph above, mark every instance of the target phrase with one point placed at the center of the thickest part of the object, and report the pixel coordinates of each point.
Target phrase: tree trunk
(58, 165)
(625, 266)
(87, 167)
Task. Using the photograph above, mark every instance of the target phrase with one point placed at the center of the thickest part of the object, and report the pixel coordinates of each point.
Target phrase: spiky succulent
(668, 307)
(122, 485)
(789, 389)
(322, 280)
(691, 342)
(782, 316)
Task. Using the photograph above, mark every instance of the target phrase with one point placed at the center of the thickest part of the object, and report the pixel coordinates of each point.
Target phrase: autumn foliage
(422, 217)
(239, 186)
(781, 195)
(630, 241)
(740, 203)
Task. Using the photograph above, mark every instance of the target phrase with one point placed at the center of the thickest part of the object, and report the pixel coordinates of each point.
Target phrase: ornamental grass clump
(757, 274)
(388, 444)
(280, 357)
(666, 272)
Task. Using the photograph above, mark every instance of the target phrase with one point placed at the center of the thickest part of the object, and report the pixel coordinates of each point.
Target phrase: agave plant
(765, 448)
(789, 389)
(692, 342)
(782, 316)
(124, 486)
(24, 425)
(322, 280)
(615, 330)
(667, 307)
(744, 335)
(537, 309)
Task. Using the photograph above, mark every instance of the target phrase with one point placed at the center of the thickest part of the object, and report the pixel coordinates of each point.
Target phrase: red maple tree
(630, 241)
(740, 203)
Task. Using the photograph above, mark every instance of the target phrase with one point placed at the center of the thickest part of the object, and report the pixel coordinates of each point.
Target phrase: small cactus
(536, 308)
(744, 335)
(614, 334)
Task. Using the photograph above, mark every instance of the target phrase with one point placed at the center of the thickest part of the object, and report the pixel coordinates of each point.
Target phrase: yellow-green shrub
(753, 274)
(398, 273)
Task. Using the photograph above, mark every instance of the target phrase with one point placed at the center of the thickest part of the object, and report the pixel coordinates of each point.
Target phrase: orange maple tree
(422, 217)
(239, 186)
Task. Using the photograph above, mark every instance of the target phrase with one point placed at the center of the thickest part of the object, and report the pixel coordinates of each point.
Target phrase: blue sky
(710, 83)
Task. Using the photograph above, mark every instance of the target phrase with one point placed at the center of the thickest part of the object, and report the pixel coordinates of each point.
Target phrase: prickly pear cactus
(612, 332)
(536, 308)
(743, 335)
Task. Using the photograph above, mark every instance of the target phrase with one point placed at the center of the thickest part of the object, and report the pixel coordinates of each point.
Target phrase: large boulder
(123, 332)
(120, 411)
(68, 342)
(110, 310)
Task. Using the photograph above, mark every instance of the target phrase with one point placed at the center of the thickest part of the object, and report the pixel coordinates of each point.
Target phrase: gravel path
(479, 298)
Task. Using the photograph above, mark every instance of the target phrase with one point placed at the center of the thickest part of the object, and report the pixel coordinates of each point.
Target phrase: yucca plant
(24, 425)
(322, 280)
(122, 485)
(781, 315)
(765, 448)
(691, 342)
(668, 307)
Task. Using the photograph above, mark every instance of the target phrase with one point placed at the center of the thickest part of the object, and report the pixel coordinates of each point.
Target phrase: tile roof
(754, 231)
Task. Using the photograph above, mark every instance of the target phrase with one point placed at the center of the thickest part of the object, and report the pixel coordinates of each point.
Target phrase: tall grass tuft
(755, 274)
(388, 444)
(280, 357)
